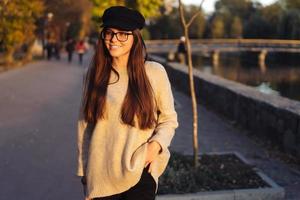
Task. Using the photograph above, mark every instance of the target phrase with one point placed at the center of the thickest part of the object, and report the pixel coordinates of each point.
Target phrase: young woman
(127, 118)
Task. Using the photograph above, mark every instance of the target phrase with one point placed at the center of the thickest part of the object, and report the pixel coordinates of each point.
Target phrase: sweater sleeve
(83, 140)
(167, 116)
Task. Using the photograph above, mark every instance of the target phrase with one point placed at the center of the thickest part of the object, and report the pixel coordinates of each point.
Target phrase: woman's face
(118, 42)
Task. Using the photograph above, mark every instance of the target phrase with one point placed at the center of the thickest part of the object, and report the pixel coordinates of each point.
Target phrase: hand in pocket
(152, 152)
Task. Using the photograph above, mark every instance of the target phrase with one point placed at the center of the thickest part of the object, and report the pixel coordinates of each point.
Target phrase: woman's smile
(114, 46)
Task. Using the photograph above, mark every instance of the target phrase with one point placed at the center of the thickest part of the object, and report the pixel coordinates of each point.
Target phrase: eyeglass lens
(121, 36)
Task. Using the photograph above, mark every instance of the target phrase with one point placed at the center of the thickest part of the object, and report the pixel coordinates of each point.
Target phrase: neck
(120, 63)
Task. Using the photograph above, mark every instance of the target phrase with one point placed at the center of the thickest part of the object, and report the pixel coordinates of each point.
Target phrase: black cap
(123, 18)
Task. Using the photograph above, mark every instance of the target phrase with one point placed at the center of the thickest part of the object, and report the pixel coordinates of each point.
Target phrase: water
(272, 78)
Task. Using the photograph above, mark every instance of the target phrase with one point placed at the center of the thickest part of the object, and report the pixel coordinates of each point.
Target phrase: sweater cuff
(163, 137)
(80, 172)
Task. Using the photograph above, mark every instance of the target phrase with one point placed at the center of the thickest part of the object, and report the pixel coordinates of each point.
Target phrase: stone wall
(270, 117)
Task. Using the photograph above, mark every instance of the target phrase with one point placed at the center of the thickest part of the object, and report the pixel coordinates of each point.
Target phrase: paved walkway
(39, 105)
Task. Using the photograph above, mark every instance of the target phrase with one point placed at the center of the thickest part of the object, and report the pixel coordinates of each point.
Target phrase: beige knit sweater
(112, 155)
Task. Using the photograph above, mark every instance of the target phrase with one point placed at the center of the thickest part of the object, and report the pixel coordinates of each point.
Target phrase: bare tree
(185, 27)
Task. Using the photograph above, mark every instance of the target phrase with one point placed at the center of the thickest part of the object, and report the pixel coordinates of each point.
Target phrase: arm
(83, 139)
(167, 117)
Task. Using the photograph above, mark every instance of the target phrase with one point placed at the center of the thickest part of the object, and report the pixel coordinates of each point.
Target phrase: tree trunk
(9, 56)
(185, 27)
(194, 100)
(28, 54)
(85, 25)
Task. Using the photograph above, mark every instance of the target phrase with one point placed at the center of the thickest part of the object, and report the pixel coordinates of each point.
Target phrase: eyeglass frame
(115, 34)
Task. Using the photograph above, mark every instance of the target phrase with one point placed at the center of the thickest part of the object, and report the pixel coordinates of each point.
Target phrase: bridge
(216, 46)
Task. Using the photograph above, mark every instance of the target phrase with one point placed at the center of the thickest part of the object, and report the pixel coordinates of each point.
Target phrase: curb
(274, 192)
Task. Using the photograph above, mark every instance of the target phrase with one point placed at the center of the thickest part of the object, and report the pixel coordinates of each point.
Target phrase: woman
(127, 117)
(80, 49)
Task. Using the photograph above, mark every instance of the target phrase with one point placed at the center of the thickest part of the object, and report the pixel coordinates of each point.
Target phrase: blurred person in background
(181, 51)
(70, 47)
(81, 49)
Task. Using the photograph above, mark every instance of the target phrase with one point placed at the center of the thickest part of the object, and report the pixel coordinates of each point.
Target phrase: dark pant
(143, 190)
(70, 55)
(80, 55)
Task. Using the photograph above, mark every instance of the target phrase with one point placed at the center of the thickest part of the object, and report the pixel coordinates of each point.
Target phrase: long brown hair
(139, 100)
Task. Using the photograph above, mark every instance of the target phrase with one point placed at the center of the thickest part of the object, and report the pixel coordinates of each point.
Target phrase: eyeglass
(109, 34)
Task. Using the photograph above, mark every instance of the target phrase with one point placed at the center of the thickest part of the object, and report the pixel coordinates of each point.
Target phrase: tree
(271, 15)
(76, 15)
(233, 11)
(149, 8)
(240, 8)
(257, 27)
(290, 4)
(166, 25)
(197, 27)
(217, 28)
(185, 26)
(236, 29)
(100, 5)
(289, 25)
(17, 25)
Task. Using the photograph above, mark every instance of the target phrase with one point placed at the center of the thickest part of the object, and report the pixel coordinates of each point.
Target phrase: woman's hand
(153, 151)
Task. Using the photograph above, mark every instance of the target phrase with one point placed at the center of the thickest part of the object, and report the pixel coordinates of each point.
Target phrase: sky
(208, 5)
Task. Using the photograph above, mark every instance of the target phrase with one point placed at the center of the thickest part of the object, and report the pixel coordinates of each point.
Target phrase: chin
(115, 54)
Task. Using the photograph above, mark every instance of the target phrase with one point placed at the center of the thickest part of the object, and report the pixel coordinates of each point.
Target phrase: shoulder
(154, 68)
(157, 75)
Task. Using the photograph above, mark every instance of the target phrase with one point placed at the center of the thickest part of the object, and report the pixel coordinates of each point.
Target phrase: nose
(114, 38)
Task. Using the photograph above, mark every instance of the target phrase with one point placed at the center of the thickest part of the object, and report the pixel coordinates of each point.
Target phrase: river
(273, 78)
